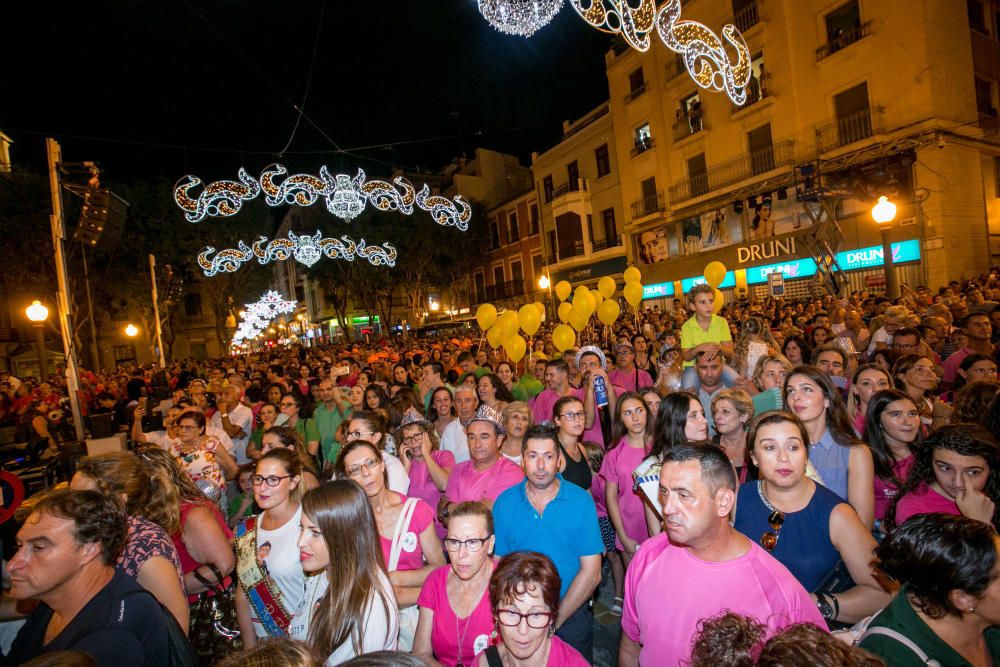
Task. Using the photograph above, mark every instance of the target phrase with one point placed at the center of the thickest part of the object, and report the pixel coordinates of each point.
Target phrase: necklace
(461, 639)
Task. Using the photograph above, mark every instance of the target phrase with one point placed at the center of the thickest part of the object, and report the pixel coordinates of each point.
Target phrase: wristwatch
(225, 415)
(826, 608)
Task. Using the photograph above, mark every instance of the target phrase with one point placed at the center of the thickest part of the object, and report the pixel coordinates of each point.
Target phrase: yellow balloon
(486, 315)
(529, 318)
(606, 286)
(508, 324)
(720, 300)
(541, 307)
(565, 308)
(578, 320)
(597, 298)
(563, 290)
(632, 275)
(494, 335)
(609, 311)
(584, 302)
(563, 337)
(515, 347)
(715, 273)
(633, 293)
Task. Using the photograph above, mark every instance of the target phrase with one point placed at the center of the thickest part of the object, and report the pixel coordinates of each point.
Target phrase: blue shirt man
(558, 519)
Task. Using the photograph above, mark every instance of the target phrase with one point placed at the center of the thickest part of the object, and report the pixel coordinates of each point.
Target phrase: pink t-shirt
(541, 405)
(411, 557)
(885, 491)
(561, 654)
(617, 467)
(597, 486)
(594, 433)
(474, 630)
(668, 591)
(421, 484)
(466, 483)
(924, 500)
(627, 379)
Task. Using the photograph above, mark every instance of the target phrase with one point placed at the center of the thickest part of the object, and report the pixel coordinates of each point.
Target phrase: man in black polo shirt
(67, 549)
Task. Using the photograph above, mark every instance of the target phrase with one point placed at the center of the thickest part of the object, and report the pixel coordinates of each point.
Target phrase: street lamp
(38, 313)
(884, 213)
(546, 284)
(543, 282)
(131, 330)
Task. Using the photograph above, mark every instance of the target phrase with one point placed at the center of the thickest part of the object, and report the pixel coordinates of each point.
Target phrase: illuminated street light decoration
(519, 17)
(634, 24)
(345, 197)
(303, 248)
(258, 316)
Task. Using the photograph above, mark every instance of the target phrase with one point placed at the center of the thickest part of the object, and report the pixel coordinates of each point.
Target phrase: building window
(977, 15)
(516, 272)
(854, 117)
(573, 176)
(192, 304)
(843, 26)
(513, 233)
(984, 98)
(603, 159)
(480, 286)
(759, 86)
(996, 176)
(689, 117)
(536, 266)
(643, 140)
(547, 188)
(498, 275)
(761, 149)
(494, 235)
(636, 85)
(533, 219)
(610, 229)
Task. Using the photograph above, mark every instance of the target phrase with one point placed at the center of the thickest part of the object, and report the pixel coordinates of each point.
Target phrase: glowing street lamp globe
(883, 211)
(131, 331)
(543, 282)
(36, 312)
(519, 17)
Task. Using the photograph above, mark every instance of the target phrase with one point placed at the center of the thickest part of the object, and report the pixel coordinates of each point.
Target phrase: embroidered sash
(262, 592)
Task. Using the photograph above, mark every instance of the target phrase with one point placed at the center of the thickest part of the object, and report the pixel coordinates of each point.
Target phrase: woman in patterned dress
(202, 456)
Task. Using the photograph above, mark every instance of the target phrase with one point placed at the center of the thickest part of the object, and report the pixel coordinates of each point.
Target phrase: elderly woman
(783, 510)
(201, 456)
(456, 619)
(427, 466)
(949, 604)
(517, 420)
(524, 593)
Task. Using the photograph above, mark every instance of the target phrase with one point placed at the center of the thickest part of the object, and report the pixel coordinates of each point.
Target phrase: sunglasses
(769, 540)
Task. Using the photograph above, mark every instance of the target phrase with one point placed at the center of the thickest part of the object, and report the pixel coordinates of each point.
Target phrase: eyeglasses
(769, 540)
(357, 435)
(187, 427)
(270, 480)
(473, 545)
(370, 464)
(536, 620)
(416, 437)
(573, 415)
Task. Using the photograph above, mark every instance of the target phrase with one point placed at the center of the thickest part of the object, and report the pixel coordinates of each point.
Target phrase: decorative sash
(262, 592)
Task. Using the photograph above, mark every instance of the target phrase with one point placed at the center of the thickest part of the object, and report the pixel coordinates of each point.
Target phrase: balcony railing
(675, 67)
(604, 244)
(648, 205)
(755, 94)
(505, 290)
(578, 185)
(197, 321)
(844, 38)
(748, 17)
(690, 125)
(849, 129)
(719, 176)
(568, 250)
(635, 92)
(642, 146)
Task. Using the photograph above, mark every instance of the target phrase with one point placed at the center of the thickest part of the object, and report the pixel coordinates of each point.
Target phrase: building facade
(515, 261)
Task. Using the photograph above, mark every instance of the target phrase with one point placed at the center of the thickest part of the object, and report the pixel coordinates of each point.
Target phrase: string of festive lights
(259, 314)
(303, 248)
(519, 17)
(345, 197)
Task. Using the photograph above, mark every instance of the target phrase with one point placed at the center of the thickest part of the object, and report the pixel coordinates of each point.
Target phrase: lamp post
(131, 330)
(884, 213)
(38, 313)
(546, 284)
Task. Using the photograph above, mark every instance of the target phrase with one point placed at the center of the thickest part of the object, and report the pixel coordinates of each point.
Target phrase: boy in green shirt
(705, 333)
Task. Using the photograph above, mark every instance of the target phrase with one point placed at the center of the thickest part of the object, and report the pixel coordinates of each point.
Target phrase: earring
(971, 610)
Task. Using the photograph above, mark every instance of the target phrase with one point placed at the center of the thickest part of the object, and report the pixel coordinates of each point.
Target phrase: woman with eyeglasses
(893, 433)
(524, 593)
(517, 420)
(914, 374)
(630, 439)
(285, 437)
(456, 619)
(202, 456)
(292, 405)
(269, 575)
(866, 380)
(410, 545)
(804, 525)
(371, 427)
(347, 607)
(974, 367)
(570, 419)
(427, 465)
(843, 462)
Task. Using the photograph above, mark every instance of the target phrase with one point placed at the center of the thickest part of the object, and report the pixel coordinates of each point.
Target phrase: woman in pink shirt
(957, 471)
(630, 438)
(892, 431)
(456, 620)
(427, 466)
(410, 546)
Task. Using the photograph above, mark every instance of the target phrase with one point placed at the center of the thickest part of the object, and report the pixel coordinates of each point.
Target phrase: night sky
(153, 84)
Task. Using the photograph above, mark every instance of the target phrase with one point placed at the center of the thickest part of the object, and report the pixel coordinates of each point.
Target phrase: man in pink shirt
(626, 375)
(592, 364)
(486, 474)
(556, 386)
(701, 566)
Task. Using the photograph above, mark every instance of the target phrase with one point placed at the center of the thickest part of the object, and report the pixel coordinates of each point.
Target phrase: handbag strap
(402, 526)
(904, 640)
(493, 657)
(218, 585)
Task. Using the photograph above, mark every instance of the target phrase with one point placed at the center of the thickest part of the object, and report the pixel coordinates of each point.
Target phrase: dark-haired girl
(892, 428)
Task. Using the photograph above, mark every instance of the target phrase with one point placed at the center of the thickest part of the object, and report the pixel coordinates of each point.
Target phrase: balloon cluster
(715, 273)
(502, 328)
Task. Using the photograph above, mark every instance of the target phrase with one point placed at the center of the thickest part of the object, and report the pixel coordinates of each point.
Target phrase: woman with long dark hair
(866, 380)
(570, 419)
(893, 432)
(630, 441)
(442, 409)
(915, 375)
(348, 607)
(293, 406)
(843, 462)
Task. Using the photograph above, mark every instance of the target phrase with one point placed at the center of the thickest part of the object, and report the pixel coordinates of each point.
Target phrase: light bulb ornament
(522, 18)
(344, 196)
(258, 315)
(303, 248)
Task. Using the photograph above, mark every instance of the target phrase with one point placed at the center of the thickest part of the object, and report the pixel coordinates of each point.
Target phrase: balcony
(635, 92)
(190, 321)
(689, 126)
(505, 290)
(570, 250)
(849, 129)
(754, 95)
(844, 39)
(641, 146)
(728, 173)
(748, 17)
(578, 185)
(649, 205)
(675, 68)
(604, 244)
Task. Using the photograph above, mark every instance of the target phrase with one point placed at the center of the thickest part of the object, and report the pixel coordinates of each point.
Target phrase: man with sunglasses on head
(700, 566)
(546, 514)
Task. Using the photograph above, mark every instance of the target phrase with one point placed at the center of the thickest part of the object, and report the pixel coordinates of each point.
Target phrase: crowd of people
(808, 482)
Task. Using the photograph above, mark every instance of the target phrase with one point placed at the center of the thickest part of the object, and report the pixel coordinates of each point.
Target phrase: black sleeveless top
(577, 472)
